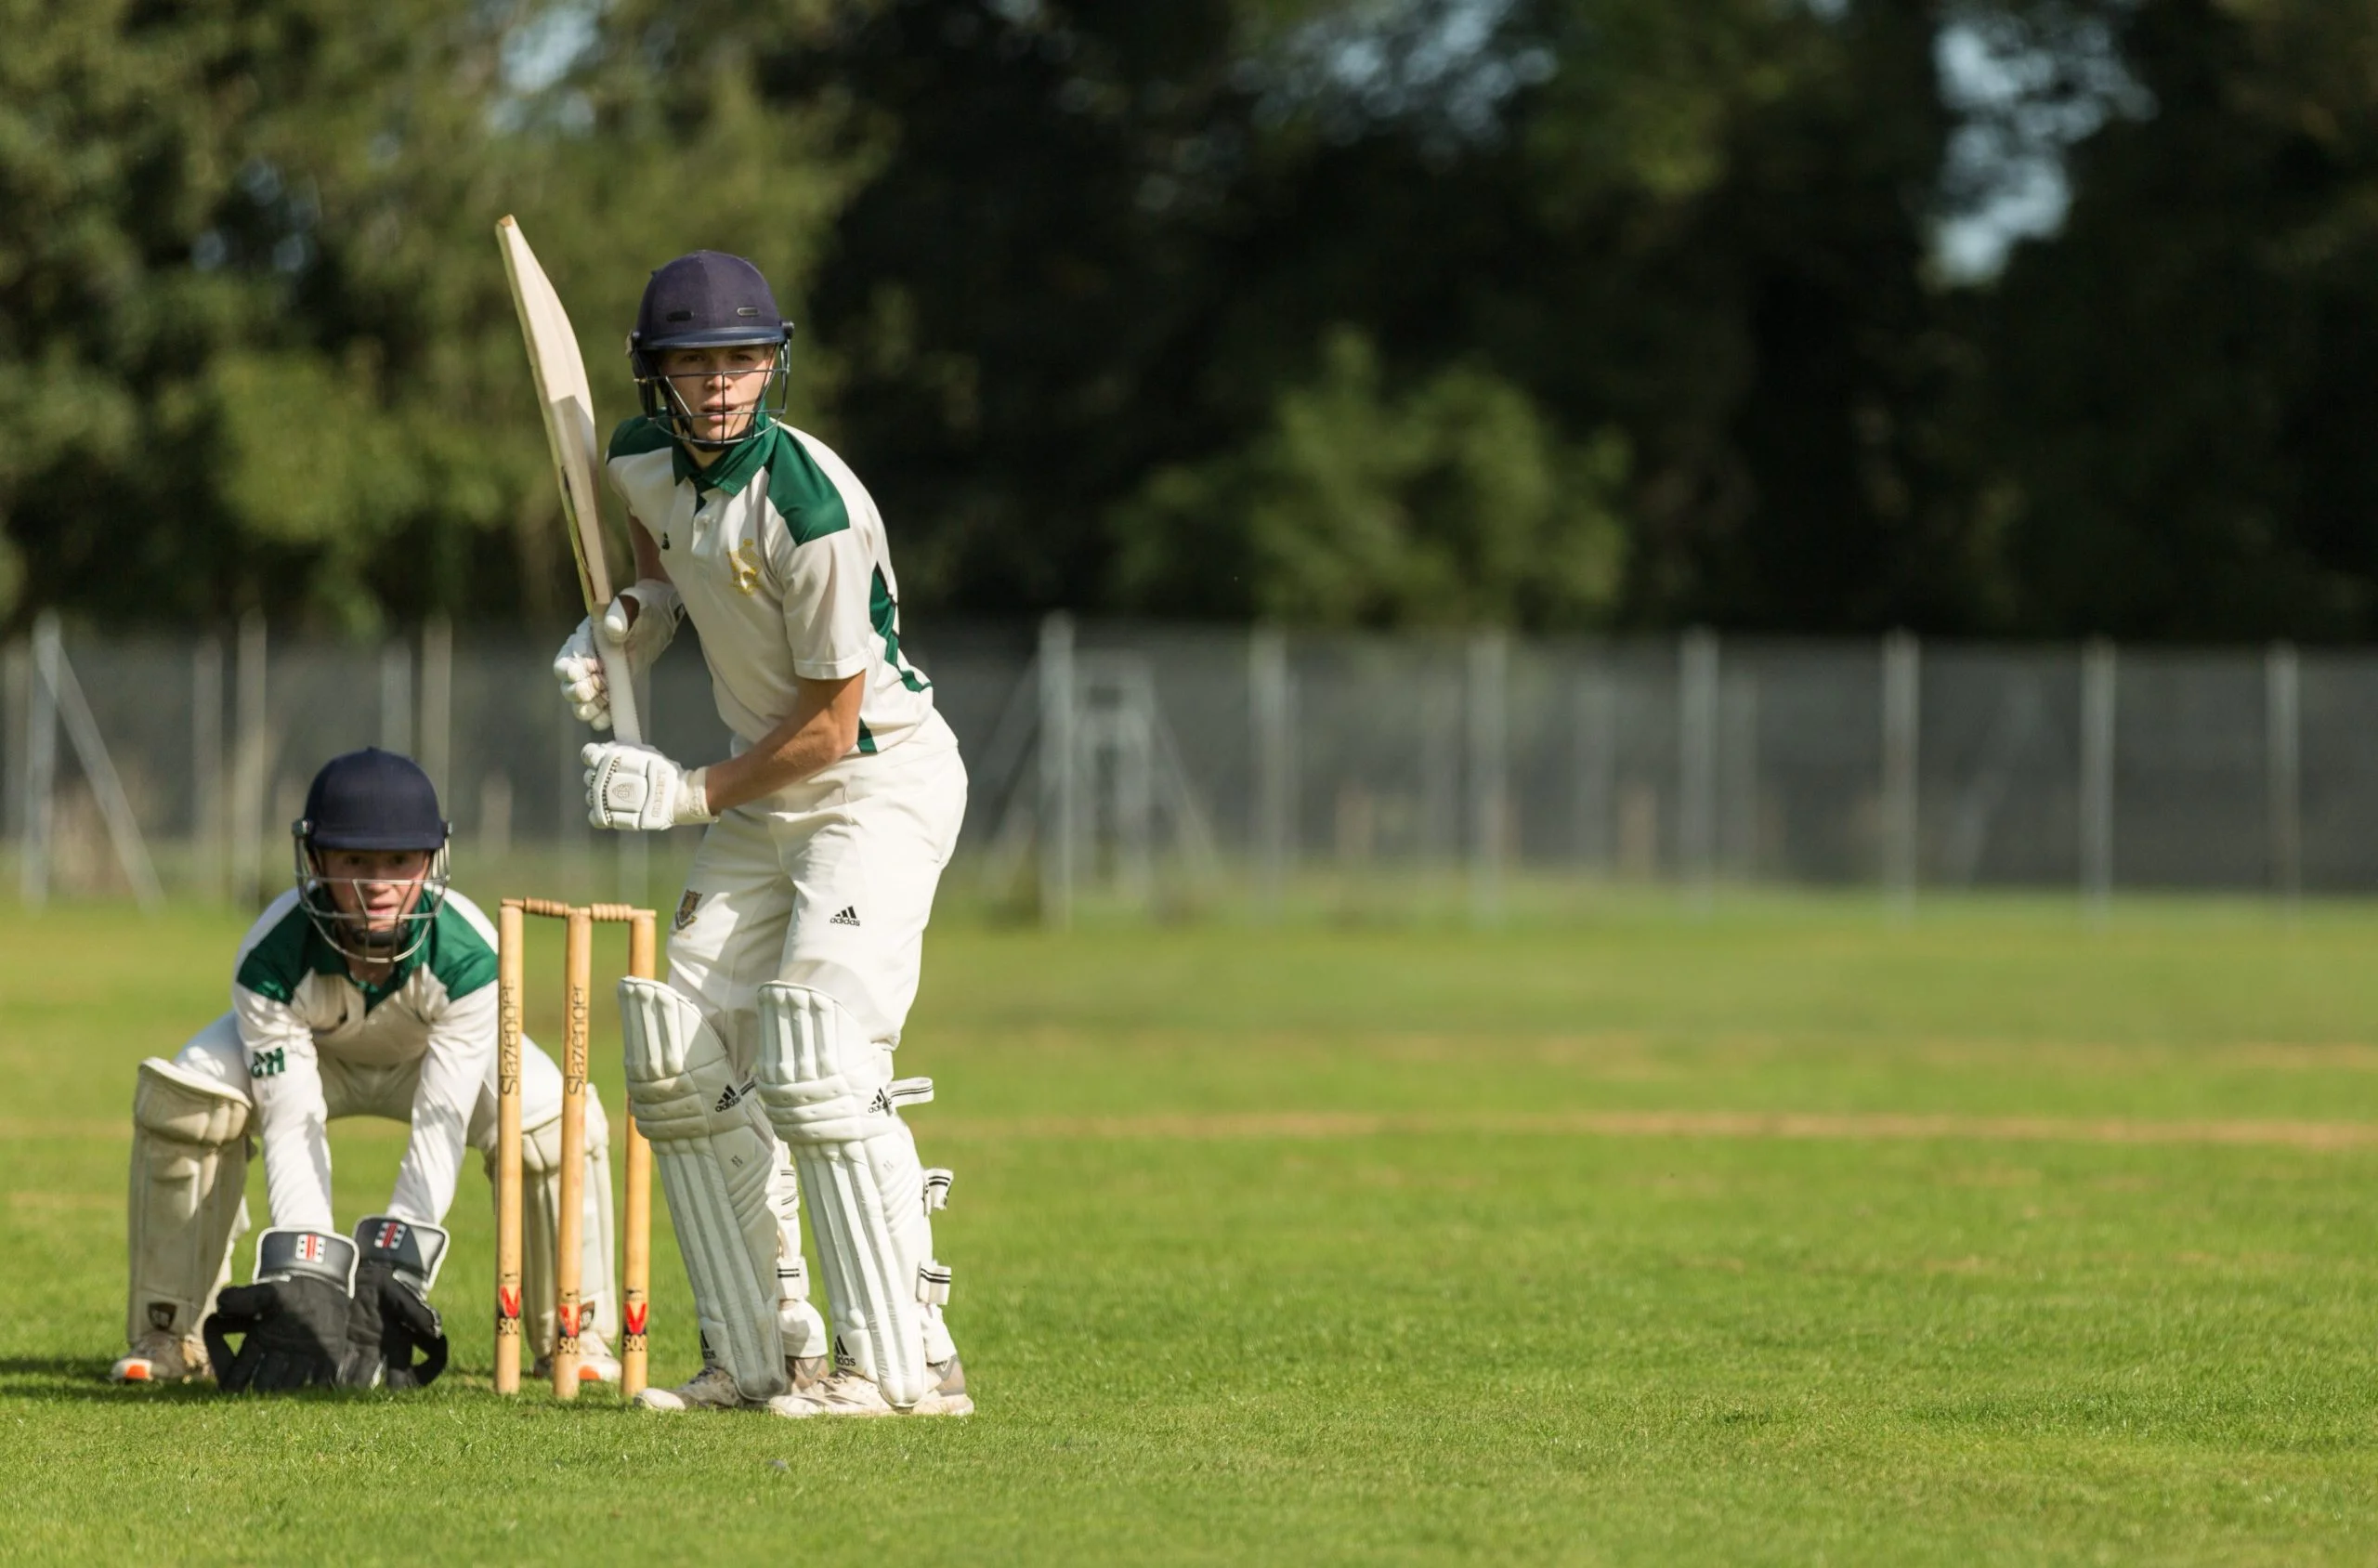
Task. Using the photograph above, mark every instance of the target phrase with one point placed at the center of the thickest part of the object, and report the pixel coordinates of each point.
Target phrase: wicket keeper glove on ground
(294, 1318)
(580, 669)
(391, 1317)
(636, 788)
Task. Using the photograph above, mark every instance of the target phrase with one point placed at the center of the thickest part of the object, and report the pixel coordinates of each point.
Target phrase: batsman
(366, 990)
(794, 953)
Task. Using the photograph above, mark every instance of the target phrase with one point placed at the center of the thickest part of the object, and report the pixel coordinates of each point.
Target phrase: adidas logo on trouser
(848, 917)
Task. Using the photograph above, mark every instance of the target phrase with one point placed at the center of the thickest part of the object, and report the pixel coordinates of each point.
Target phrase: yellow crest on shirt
(744, 561)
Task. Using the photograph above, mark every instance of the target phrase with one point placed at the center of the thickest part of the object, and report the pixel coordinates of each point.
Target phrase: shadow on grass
(52, 1380)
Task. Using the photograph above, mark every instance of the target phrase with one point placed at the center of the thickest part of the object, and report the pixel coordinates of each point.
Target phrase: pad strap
(412, 1250)
(294, 1254)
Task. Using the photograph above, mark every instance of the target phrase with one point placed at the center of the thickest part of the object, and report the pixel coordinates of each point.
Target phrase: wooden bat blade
(568, 407)
(571, 436)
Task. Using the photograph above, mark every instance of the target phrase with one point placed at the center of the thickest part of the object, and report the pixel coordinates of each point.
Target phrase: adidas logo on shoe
(848, 917)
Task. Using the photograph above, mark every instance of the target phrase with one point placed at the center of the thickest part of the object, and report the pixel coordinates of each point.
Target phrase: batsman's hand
(293, 1320)
(642, 620)
(635, 788)
(391, 1320)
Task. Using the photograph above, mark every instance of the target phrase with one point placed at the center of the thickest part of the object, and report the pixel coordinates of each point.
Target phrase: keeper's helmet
(707, 300)
(370, 800)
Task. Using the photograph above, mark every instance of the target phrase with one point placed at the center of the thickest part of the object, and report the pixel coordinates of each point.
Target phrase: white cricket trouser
(830, 887)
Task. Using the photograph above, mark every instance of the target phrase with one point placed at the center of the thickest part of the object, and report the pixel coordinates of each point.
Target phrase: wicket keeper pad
(716, 1155)
(829, 1094)
(189, 1175)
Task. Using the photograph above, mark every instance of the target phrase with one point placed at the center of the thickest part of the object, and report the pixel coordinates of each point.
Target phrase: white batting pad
(716, 1155)
(829, 1094)
(540, 1228)
(189, 1171)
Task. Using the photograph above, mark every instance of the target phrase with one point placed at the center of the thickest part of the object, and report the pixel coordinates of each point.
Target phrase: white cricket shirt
(782, 561)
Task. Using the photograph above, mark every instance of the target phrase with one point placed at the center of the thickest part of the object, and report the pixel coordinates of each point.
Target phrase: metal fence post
(1596, 763)
(1903, 729)
(396, 697)
(1487, 745)
(1735, 831)
(1269, 703)
(436, 726)
(15, 682)
(41, 769)
(1059, 827)
(206, 767)
(2098, 671)
(1697, 762)
(252, 759)
(2283, 678)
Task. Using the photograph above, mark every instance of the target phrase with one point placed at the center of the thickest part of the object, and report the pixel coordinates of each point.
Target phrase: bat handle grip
(627, 725)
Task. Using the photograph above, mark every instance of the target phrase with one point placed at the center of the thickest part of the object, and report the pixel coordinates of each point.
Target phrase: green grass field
(1783, 1235)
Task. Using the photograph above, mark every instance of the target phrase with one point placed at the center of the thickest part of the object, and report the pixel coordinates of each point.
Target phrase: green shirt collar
(735, 467)
(323, 959)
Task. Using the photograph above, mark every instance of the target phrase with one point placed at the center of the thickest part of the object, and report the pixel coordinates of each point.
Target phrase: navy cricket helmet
(373, 800)
(706, 299)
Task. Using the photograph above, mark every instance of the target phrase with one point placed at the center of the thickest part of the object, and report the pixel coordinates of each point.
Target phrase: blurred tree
(1556, 312)
(256, 346)
(2183, 381)
(1090, 295)
(1452, 505)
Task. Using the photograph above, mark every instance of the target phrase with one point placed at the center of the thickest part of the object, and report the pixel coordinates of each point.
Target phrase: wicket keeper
(366, 990)
(795, 949)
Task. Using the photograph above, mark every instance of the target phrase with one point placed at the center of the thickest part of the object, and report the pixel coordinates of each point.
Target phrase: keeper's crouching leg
(831, 1095)
(717, 1160)
(187, 1210)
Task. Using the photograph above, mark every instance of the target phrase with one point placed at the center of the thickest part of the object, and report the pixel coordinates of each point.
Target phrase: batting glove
(635, 788)
(578, 667)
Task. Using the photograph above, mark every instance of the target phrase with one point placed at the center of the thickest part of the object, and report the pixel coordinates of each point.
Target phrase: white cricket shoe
(596, 1362)
(712, 1388)
(851, 1393)
(807, 1372)
(160, 1356)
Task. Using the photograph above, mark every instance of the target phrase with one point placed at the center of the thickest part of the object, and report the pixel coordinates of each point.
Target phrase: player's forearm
(821, 729)
(431, 1164)
(296, 1161)
(457, 1062)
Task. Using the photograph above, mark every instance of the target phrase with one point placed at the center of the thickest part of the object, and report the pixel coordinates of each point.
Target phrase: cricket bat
(570, 432)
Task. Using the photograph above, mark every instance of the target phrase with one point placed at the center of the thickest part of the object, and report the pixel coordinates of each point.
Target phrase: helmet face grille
(348, 936)
(708, 299)
(664, 402)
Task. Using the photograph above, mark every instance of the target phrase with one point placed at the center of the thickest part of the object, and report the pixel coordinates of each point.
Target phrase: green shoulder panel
(459, 957)
(800, 492)
(636, 437)
(276, 965)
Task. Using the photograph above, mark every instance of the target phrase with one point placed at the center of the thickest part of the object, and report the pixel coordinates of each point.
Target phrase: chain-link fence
(1171, 766)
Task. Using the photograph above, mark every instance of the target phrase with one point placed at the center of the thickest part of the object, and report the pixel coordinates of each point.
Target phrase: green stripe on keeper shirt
(454, 953)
